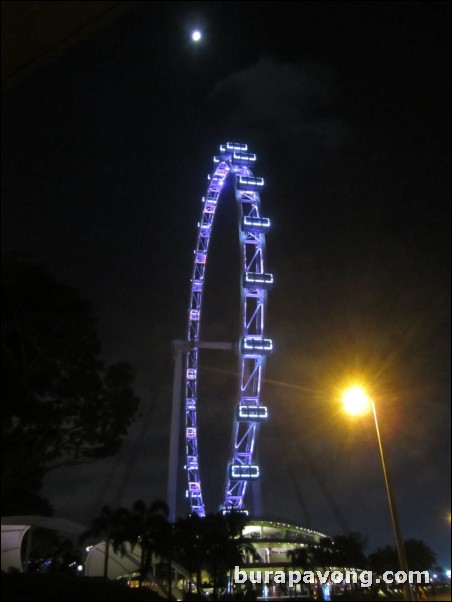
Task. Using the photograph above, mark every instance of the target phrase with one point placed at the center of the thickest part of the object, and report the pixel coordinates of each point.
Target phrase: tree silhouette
(189, 546)
(419, 556)
(323, 553)
(214, 543)
(383, 559)
(60, 404)
(111, 526)
(149, 527)
(304, 557)
(300, 557)
(348, 550)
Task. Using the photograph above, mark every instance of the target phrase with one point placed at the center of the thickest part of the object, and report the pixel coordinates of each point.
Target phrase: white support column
(180, 348)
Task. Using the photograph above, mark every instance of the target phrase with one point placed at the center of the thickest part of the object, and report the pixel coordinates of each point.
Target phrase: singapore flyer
(234, 163)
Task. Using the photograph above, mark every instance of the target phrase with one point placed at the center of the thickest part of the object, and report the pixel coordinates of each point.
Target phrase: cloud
(292, 101)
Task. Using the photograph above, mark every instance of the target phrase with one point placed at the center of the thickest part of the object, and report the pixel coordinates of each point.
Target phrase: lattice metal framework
(233, 162)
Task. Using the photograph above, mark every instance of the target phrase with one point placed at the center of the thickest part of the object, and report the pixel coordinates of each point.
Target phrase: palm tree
(323, 556)
(214, 543)
(188, 545)
(301, 557)
(349, 550)
(217, 548)
(238, 546)
(112, 526)
(150, 528)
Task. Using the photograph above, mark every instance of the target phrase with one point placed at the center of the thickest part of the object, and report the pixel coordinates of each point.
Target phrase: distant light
(196, 35)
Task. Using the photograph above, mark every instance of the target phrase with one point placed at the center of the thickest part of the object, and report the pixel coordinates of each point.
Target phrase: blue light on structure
(239, 158)
(256, 225)
(257, 280)
(201, 257)
(233, 146)
(191, 374)
(243, 472)
(190, 404)
(249, 184)
(252, 412)
(251, 345)
(234, 159)
(191, 433)
(192, 462)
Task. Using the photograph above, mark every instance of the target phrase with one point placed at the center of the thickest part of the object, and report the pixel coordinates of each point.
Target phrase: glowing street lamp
(357, 402)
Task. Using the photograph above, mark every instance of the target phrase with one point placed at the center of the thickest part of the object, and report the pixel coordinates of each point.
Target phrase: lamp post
(356, 402)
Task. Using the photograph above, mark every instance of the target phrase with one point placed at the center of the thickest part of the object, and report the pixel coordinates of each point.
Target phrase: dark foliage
(214, 543)
(420, 557)
(49, 588)
(60, 404)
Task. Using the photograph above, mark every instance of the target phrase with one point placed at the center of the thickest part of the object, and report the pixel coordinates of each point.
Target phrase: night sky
(105, 153)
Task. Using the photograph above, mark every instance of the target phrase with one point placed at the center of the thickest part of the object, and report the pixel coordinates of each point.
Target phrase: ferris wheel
(234, 162)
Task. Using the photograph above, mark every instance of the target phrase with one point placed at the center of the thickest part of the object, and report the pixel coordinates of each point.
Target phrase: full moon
(196, 36)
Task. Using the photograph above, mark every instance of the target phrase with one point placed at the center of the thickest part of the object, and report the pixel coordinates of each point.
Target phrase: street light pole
(407, 591)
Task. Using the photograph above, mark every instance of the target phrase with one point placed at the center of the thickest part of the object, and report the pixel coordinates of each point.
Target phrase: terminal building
(273, 540)
(271, 543)
(269, 547)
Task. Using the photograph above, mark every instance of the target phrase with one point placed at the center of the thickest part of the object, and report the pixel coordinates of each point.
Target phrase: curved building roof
(272, 541)
(278, 530)
(15, 527)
